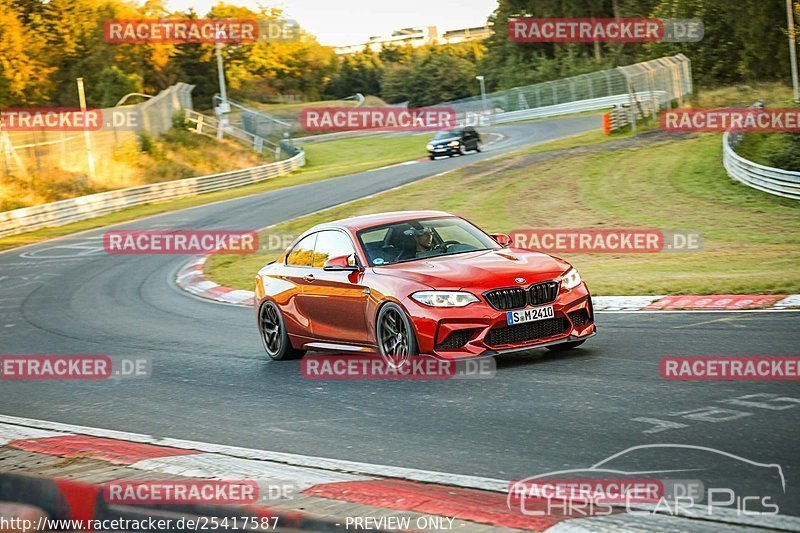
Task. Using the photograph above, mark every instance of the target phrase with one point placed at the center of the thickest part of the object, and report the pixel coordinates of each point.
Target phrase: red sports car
(417, 282)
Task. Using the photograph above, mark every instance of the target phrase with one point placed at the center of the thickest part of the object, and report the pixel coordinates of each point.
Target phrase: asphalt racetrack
(212, 381)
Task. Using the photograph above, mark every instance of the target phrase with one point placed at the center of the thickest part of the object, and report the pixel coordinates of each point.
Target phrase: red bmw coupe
(417, 282)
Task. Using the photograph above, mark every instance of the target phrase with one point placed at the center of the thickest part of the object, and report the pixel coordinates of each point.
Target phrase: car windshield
(441, 135)
(419, 239)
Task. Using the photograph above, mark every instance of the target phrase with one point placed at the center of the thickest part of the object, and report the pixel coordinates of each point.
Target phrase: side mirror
(502, 239)
(343, 263)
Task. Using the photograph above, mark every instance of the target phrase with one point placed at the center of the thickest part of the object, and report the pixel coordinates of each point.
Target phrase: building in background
(418, 37)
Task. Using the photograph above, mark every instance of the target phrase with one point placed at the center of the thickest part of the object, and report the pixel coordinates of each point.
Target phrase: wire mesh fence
(664, 80)
(23, 152)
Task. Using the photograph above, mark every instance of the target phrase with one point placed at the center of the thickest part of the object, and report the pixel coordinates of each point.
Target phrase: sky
(342, 22)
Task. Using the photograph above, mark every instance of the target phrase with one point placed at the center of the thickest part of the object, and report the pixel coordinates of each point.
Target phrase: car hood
(479, 271)
(445, 141)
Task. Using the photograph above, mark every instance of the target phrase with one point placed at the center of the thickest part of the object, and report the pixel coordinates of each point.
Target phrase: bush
(779, 150)
(146, 143)
(789, 157)
(179, 121)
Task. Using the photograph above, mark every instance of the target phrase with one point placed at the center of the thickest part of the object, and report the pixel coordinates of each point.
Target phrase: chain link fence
(663, 81)
(22, 152)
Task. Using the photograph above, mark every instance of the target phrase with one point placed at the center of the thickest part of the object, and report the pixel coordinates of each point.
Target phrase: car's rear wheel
(395, 335)
(273, 334)
(565, 346)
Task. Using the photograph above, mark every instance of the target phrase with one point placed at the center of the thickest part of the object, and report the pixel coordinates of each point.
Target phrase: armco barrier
(775, 181)
(95, 205)
(578, 106)
(65, 499)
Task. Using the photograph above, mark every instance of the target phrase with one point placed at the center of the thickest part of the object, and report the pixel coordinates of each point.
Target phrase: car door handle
(309, 277)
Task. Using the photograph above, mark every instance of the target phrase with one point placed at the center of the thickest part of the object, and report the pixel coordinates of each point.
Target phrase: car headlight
(453, 143)
(429, 147)
(445, 298)
(571, 279)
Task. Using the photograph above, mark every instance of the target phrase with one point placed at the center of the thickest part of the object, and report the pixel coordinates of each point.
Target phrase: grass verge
(751, 243)
(323, 161)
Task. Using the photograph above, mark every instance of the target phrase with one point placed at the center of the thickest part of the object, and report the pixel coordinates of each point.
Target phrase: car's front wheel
(396, 339)
(565, 346)
(273, 334)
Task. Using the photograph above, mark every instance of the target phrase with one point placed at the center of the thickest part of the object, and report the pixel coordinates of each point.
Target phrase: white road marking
(306, 461)
(220, 461)
(713, 414)
(217, 466)
(78, 249)
(11, 433)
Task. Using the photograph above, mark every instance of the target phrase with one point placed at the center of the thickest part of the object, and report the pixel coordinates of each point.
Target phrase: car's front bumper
(446, 150)
(480, 330)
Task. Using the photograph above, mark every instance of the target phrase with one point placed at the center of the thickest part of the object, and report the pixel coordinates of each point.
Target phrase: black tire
(274, 337)
(431, 157)
(564, 346)
(391, 322)
(477, 147)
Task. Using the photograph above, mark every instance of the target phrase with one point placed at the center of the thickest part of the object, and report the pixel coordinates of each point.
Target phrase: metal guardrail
(623, 115)
(785, 183)
(578, 106)
(95, 205)
(210, 126)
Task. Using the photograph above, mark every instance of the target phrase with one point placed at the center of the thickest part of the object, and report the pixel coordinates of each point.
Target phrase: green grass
(371, 101)
(134, 161)
(774, 149)
(324, 160)
(774, 93)
(751, 242)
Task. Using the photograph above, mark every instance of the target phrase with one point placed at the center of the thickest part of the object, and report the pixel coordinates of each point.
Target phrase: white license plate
(529, 315)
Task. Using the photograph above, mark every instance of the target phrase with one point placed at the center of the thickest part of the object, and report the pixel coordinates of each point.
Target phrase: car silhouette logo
(521, 281)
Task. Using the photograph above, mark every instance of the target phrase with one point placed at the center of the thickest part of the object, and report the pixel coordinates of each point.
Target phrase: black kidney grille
(530, 331)
(505, 299)
(542, 293)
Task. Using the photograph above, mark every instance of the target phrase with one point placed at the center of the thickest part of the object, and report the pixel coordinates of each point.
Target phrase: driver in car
(423, 238)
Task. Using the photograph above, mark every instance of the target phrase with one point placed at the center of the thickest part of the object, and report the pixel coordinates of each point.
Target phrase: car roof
(378, 219)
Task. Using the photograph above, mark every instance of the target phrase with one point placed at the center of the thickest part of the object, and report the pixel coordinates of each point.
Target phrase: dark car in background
(452, 142)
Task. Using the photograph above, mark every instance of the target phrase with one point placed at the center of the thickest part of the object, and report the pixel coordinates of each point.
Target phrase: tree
(113, 84)
(357, 73)
(24, 78)
(439, 75)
